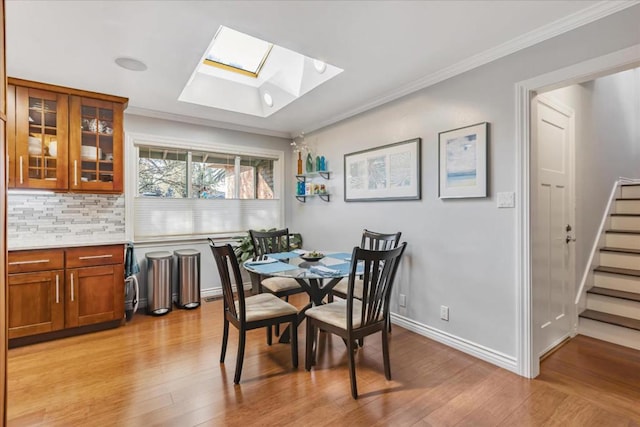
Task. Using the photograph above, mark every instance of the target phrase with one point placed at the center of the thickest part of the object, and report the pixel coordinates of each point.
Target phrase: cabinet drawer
(95, 255)
(35, 260)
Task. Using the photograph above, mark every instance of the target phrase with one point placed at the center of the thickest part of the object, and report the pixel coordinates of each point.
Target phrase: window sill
(173, 240)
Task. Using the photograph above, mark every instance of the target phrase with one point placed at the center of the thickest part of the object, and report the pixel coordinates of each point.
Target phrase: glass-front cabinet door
(95, 153)
(41, 139)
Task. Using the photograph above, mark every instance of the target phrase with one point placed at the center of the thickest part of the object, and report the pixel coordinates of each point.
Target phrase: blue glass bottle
(322, 163)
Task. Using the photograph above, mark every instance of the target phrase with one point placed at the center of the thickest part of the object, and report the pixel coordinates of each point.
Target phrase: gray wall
(607, 117)
(461, 253)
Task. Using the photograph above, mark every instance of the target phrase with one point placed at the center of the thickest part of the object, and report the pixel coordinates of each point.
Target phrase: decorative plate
(308, 258)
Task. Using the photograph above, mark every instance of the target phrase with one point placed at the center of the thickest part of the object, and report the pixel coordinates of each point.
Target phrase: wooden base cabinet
(36, 292)
(96, 295)
(64, 289)
(35, 303)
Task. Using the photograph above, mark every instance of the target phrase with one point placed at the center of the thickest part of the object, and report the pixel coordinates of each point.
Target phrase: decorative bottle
(323, 166)
(299, 163)
(309, 163)
(318, 163)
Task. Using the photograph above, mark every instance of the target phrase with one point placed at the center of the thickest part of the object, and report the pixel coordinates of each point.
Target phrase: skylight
(234, 74)
(235, 51)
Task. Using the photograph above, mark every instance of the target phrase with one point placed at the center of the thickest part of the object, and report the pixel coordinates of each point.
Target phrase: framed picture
(389, 172)
(463, 162)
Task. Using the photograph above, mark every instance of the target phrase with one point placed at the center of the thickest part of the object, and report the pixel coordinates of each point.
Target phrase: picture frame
(462, 155)
(387, 172)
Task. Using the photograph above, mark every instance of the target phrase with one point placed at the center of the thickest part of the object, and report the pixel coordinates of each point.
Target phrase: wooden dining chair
(374, 241)
(256, 311)
(269, 242)
(354, 318)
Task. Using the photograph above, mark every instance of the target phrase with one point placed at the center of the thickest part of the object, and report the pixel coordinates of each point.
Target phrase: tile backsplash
(64, 219)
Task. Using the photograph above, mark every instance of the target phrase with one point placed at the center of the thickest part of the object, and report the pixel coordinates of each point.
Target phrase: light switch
(507, 199)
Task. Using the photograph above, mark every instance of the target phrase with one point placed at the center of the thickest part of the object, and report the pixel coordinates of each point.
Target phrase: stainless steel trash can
(188, 278)
(159, 282)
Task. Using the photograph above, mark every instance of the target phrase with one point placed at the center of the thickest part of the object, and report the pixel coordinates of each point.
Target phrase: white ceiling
(387, 49)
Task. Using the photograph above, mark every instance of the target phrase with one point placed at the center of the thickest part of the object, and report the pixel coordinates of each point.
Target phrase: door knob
(570, 239)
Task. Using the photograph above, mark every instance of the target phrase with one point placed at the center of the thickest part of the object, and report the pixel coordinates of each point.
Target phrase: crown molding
(585, 16)
(145, 112)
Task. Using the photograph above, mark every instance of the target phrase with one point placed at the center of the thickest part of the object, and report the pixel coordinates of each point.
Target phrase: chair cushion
(266, 306)
(335, 313)
(279, 284)
(343, 286)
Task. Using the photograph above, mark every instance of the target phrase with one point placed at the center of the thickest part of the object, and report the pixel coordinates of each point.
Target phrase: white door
(552, 211)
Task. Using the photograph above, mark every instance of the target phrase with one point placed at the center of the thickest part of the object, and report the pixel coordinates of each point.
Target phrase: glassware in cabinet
(40, 139)
(96, 145)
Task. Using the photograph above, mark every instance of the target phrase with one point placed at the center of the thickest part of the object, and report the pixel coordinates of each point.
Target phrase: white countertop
(45, 244)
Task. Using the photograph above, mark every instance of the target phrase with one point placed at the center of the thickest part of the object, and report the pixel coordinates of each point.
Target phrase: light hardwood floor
(165, 371)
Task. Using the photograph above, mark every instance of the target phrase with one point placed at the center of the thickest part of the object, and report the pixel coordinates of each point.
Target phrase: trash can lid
(158, 255)
(186, 252)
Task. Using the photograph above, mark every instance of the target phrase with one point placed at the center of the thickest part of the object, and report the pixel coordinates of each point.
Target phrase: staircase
(613, 303)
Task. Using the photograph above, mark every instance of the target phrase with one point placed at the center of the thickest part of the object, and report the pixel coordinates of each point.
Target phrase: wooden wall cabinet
(96, 152)
(64, 139)
(58, 289)
(38, 138)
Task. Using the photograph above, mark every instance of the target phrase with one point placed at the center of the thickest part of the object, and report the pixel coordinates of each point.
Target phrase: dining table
(316, 275)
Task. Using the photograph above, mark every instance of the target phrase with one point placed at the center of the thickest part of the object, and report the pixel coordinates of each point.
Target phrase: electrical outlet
(402, 301)
(444, 312)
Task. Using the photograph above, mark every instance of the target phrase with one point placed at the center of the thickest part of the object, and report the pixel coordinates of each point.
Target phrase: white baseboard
(204, 293)
(488, 355)
(217, 292)
(212, 292)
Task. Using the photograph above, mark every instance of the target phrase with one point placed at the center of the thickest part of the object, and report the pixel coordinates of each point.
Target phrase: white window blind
(156, 217)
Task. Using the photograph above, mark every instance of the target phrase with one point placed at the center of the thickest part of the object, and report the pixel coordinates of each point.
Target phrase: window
(162, 172)
(184, 192)
(238, 52)
(215, 176)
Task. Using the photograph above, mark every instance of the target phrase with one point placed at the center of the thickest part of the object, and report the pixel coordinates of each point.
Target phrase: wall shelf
(303, 197)
(308, 177)
(325, 174)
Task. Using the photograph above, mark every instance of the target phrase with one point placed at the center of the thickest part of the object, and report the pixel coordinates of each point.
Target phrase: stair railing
(605, 215)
